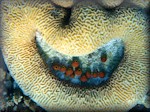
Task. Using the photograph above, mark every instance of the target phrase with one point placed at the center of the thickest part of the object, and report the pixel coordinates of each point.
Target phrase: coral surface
(89, 28)
(64, 3)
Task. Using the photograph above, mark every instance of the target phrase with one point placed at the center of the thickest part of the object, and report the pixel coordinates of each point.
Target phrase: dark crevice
(66, 19)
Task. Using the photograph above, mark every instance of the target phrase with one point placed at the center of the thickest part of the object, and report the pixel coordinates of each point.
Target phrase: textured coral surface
(90, 27)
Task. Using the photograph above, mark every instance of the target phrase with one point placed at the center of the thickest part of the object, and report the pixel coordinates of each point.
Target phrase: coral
(64, 3)
(140, 3)
(110, 3)
(100, 64)
(89, 28)
(104, 3)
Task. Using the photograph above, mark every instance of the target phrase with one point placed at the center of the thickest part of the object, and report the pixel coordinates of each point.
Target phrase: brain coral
(89, 28)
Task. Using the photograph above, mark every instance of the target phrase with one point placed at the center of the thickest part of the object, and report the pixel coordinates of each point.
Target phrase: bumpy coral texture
(90, 27)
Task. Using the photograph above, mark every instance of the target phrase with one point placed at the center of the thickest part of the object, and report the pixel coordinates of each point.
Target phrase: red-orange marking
(94, 75)
(56, 67)
(72, 75)
(75, 64)
(88, 75)
(101, 74)
(83, 78)
(78, 72)
(69, 72)
(104, 58)
(63, 69)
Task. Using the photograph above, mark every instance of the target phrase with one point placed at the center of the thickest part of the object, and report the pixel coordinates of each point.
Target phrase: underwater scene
(74, 55)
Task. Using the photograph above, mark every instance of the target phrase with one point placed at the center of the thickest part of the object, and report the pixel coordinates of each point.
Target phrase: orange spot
(75, 64)
(83, 78)
(103, 59)
(78, 72)
(63, 69)
(101, 74)
(69, 72)
(72, 75)
(88, 75)
(94, 75)
(56, 67)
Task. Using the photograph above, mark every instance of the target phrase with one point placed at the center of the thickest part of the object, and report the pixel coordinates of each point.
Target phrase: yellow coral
(90, 27)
